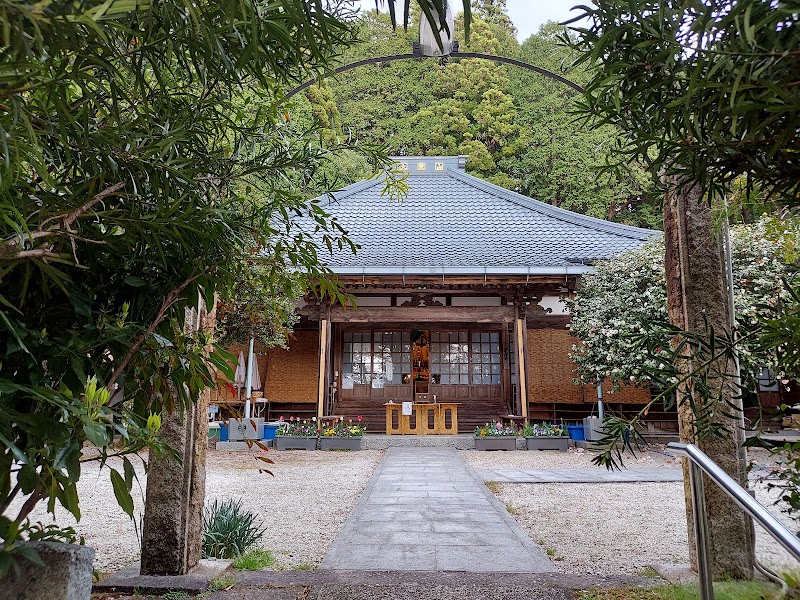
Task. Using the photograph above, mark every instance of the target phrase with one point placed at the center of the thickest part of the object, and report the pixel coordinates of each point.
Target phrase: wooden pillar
(505, 378)
(520, 345)
(324, 361)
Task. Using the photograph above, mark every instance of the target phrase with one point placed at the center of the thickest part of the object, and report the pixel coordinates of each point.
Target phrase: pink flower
(360, 417)
(280, 418)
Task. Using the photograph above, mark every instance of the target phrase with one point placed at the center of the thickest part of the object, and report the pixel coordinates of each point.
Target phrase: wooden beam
(479, 281)
(324, 351)
(522, 363)
(414, 314)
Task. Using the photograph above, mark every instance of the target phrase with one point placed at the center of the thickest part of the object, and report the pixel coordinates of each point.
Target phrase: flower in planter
(495, 429)
(544, 430)
(338, 428)
(297, 428)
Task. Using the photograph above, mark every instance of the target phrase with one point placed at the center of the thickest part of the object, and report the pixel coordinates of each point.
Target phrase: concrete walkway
(597, 475)
(426, 510)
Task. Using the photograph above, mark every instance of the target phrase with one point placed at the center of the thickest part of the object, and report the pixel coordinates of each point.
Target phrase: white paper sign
(347, 382)
(407, 408)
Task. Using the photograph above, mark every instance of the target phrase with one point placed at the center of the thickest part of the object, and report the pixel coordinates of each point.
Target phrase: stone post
(173, 514)
(695, 296)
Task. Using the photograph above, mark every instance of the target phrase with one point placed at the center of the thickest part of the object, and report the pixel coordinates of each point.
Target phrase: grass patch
(223, 582)
(493, 486)
(254, 560)
(648, 572)
(304, 567)
(723, 590)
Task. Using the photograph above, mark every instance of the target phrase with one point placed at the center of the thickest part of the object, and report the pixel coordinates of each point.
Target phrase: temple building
(458, 289)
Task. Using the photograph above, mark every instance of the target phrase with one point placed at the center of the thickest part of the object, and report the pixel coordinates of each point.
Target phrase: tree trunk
(696, 298)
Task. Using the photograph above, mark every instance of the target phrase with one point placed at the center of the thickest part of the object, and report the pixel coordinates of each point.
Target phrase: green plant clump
(254, 560)
(229, 530)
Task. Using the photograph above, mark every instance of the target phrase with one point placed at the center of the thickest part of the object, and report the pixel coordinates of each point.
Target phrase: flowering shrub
(615, 304)
(342, 428)
(495, 430)
(297, 427)
(544, 430)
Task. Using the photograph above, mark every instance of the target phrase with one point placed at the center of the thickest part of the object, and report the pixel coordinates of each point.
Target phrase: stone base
(67, 574)
(239, 446)
(381, 441)
(675, 573)
(197, 580)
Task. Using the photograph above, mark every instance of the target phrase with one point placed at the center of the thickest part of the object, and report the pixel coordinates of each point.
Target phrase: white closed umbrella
(240, 376)
(256, 374)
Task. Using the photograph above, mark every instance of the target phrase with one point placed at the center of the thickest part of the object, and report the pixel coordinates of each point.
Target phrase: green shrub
(229, 530)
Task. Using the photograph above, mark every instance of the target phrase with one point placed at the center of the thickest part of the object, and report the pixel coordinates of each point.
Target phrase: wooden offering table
(425, 419)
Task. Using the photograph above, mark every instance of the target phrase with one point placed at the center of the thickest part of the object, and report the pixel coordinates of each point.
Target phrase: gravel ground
(611, 528)
(593, 529)
(303, 506)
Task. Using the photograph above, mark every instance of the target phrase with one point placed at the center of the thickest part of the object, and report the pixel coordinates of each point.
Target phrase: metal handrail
(699, 463)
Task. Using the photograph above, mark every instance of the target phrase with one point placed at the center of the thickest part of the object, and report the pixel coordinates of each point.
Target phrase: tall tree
(135, 138)
(704, 95)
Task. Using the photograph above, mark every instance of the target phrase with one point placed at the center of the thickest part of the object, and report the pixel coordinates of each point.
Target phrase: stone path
(425, 510)
(597, 475)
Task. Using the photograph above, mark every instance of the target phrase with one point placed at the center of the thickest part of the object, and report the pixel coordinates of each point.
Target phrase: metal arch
(394, 57)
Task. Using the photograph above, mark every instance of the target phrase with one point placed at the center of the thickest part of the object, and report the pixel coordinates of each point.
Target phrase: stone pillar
(173, 514)
(696, 296)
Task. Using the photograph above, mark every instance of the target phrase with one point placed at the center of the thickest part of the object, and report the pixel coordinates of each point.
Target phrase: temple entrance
(467, 365)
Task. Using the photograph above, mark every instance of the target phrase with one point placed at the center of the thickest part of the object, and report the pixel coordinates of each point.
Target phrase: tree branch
(66, 219)
(171, 298)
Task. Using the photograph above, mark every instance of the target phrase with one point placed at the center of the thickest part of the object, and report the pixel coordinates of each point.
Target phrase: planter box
(66, 574)
(500, 442)
(291, 442)
(340, 443)
(547, 442)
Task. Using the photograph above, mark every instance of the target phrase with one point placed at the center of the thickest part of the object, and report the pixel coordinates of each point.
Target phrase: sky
(527, 15)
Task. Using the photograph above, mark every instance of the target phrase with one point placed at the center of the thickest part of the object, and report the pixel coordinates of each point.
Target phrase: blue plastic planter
(223, 432)
(270, 431)
(576, 432)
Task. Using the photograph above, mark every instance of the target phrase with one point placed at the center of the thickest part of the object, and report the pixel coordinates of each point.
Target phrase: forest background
(516, 127)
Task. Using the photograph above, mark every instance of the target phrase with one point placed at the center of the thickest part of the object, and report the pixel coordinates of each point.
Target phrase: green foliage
(515, 127)
(229, 530)
(707, 94)
(613, 307)
(254, 560)
(145, 167)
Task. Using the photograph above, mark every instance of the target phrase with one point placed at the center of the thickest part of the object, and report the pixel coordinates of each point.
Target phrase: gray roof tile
(454, 222)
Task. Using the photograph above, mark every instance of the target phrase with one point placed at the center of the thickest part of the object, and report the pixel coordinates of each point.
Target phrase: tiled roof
(451, 222)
